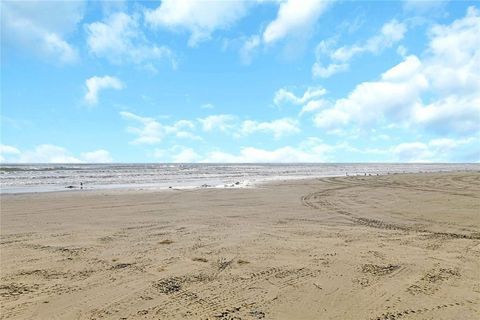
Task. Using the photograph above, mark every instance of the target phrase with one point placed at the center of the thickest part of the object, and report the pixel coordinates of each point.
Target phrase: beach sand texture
(403, 246)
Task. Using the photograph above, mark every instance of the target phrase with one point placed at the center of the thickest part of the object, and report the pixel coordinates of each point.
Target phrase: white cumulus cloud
(413, 152)
(278, 128)
(311, 150)
(97, 156)
(32, 26)
(285, 96)
(446, 77)
(49, 153)
(248, 48)
(200, 18)
(120, 39)
(321, 71)
(311, 99)
(294, 17)
(370, 101)
(390, 33)
(7, 151)
(186, 155)
(435, 150)
(96, 84)
(231, 125)
(177, 154)
(222, 122)
(151, 131)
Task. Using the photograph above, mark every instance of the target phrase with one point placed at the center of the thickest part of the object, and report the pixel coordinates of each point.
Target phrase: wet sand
(388, 247)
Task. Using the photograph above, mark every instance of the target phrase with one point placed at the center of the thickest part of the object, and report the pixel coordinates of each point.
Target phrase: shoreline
(234, 185)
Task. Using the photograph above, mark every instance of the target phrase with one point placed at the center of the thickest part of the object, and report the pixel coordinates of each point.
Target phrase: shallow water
(19, 178)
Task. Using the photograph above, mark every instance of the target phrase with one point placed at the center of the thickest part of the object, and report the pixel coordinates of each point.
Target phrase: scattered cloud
(98, 156)
(315, 105)
(151, 131)
(412, 152)
(452, 114)
(49, 153)
(230, 124)
(7, 151)
(119, 39)
(31, 26)
(186, 155)
(424, 6)
(255, 155)
(248, 48)
(54, 45)
(222, 122)
(199, 18)
(435, 93)
(369, 102)
(177, 154)
(294, 17)
(295, 20)
(436, 150)
(454, 55)
(312, 150)
(311, 99)
(96, 84)
(391, 33)
(447, 78)
(285, 96)
(321, 71)
(278, 128)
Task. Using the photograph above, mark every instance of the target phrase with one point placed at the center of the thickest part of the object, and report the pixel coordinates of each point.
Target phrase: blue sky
(240, 81)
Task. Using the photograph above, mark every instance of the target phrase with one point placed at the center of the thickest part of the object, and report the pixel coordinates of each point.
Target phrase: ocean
(21, 178)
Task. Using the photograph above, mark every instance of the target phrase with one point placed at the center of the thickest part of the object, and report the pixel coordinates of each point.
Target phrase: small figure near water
(81, 185)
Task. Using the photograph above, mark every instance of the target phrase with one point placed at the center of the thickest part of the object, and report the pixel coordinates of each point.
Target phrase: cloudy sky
(240, 81)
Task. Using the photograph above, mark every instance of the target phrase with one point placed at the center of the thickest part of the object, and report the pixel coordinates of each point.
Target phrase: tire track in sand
(319, 200)
(415, 311)
(234, 296)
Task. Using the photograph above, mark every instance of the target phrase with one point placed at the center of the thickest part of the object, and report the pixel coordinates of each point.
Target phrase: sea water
(19, 178)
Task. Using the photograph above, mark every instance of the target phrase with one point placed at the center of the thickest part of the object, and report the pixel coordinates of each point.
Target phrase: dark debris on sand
(379, 270)
(169, 285)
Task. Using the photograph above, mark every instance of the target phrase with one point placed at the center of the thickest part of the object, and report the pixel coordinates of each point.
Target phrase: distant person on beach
(81, 185)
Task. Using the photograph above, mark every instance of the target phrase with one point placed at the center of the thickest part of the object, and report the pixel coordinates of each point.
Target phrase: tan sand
(388, 247)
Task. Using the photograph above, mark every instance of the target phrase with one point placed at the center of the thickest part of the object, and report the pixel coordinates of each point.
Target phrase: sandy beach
(404, 246)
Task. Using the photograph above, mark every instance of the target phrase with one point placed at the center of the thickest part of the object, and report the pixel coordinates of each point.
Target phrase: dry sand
(388, 247)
